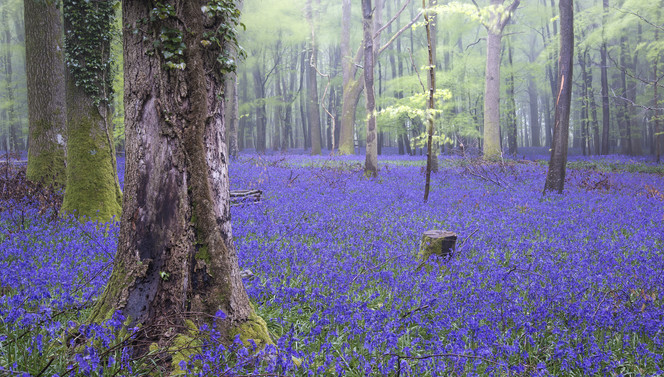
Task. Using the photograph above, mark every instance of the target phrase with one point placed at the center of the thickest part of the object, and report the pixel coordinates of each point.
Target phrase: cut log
(437, 242)
(240, 197)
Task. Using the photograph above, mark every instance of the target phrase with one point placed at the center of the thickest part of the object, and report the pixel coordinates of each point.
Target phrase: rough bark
(555, 179)
(92, 187)
(371, 158)
(176, 260)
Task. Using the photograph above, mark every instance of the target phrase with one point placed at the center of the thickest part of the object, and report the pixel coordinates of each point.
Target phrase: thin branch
(629, 101)
(398, 33)
(412, 61)
(474, 43)
(660, 27)
(377, 33)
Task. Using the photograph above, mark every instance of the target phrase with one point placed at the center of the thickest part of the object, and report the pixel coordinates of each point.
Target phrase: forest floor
(537, 286)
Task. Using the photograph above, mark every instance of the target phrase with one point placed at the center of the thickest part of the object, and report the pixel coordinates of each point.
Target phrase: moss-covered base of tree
(46, 162)
(254, 328)
(92, 189)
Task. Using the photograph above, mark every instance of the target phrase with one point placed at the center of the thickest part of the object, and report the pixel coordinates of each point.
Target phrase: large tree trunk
(176, 260)
(371, 158)
(555, 178)
(497, 20)
(92, 187)
(605, 84)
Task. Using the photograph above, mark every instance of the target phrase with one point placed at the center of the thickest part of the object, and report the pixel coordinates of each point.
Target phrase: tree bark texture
(555, 178)
(371, 158)
(92, 187)
(176, 259)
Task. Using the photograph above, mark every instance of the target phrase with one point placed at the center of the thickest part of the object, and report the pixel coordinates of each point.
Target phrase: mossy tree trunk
(45, 73)
(176, 260)
(92, 188)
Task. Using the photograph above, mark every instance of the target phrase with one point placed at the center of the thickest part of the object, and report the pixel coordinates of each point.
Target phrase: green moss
(184, 347)
(92, 189)
(46, 161)
(203, 254)
(104, 307)
(253, 328)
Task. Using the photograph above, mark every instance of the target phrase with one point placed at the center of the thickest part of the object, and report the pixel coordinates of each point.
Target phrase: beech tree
(371, 160)
(555, 178)
(499, 15)
(45, 71)
(92, 187)
(176, 260)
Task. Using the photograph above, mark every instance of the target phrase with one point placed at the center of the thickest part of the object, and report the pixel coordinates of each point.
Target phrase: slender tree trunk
(304, 63)
(431, 101)
(593, 108)
(313, 106)
(658, 135)
(232, 113)
(176, 260)
(491, 134)
(605, 84)
(535, 125)
(555, 179)
(635, 126)
(261, 111)
(624, 121)
(371, 158)
(242, 130)
(15, 140)
(92, 187)
(511, 106)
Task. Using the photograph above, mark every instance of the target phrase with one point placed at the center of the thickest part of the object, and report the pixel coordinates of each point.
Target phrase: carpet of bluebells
(538, 285)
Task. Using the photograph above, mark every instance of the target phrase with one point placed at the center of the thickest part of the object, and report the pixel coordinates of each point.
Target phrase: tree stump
(437, 242)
